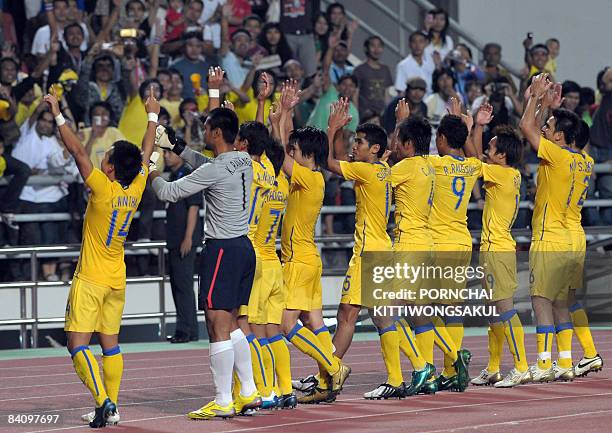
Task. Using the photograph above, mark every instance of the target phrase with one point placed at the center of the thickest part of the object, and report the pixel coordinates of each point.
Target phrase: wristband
(213, 93)
(153, 117)
(59, 119)
(49, 7)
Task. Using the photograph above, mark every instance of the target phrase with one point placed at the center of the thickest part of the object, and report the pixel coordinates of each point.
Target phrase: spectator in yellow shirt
(98, 138)
(133, 123)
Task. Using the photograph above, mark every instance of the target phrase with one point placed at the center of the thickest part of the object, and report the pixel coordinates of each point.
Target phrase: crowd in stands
(101, 56)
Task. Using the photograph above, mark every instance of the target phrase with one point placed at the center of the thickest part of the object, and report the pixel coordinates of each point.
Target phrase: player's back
(263, 183)
(414, 182)
(455, 179)
(107, 221)
(269, 221)
(584, 172)
(306, 191)
(502, 187)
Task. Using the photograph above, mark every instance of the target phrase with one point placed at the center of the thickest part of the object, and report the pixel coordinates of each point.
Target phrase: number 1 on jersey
(459, 192)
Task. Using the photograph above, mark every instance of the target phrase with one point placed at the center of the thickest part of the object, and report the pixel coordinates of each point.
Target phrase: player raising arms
(498, 248)
(97, 294)
(551, 242)
(591, 361)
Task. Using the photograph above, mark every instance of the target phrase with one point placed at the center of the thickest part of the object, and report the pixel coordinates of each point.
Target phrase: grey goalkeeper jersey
(225, 182)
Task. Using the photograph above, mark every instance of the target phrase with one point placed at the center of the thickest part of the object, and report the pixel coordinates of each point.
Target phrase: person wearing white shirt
(42, 38)
(443, 88)
(417, 64)
(439, 40)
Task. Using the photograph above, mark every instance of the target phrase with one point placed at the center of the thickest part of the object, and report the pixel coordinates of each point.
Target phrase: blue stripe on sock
(263, 341)
(545, 329)
(321, 329)
(563, 326)
(424, 328)
(261, 366)
(442, 339)
(577, 306)
(275, 338)
(507, 315)
(294, 331)
(250, 338)
(314, 346)
(408, 336)
(273, 364)
(76, 350)
(112, 351)
(388, 329)
(518, 357)
(91, 370)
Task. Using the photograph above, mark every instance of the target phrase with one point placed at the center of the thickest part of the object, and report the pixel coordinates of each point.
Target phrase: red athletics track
(158, 388)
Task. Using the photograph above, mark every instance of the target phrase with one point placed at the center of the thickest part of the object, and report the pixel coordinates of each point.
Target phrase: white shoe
(514, 378)
(587, 365)
(385, 391)
(486, 378)
(563, 374)
(538, 375)
(113, 419)
(306, 384)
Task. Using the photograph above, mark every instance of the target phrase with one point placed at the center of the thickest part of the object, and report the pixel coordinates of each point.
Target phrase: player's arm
(71, 141)
(338, 119)
(195, 182)
(215, 80)
(264, 90)
(529, 124)
(148, 141)
(483, 118)
(290, 96)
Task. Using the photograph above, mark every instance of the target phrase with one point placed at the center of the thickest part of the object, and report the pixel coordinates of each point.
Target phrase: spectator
(297, 22)
(553, 46)
(439, 40)
(336, 60)
(253, 24)
(9, 198)
(414, 94)
(444, 88)
(183, 236)
(172, 100)
(460, 60)
(340, 26)
(42, 38)
(133, 123)
(492, 53)
(374, 78)
(70, 57)
(174, 41)
(246, 108)
(417, 64)
(191, 62)
(164, 77)
(210, 20)
(473, 90)
(536, 58)
(311, 89)
(274, 42)
(100, 136)
(570, 91)
(346, 88)
(233, 54)
(235, 11)
(321, 36)
(191, 132)
(497, 94)
(175, 22)
(587, 101)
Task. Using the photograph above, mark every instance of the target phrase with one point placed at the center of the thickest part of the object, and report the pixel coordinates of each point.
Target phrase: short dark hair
(539, 47)
(510, 143)
(104, 104)
(375, 135)
(144, 87)
(127, 5)
(127, 160)
(569, 87)
(600, 75)
(226, 120)
(312, 142)
(276, 154)
(439, 73)
(366, 43)
(587, 96)
(184, 102)
(164, 112)
(490, 45)
(102, 58)
(455, 131)
(71, 25)
(252, 18)
(418, 131)
(193, 35)
(583, 136)
(567, 122)
(61, 1)
(256, 134)
(415, 34)
(349, 77)
(333, 6)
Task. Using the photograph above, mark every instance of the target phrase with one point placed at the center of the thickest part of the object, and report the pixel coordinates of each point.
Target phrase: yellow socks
(564, 344)
(515, 337)
(268, 362)
(424, 336)
(282, 363)
(257, 361)
(389, 344)
(326, 340)
(309, 344)
(87, 369)
(112, 367)
(582, 330)
(445, 342)
(408, 346)
(496, 346)
(544, 336)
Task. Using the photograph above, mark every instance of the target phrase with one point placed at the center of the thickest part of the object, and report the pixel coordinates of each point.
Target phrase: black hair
(71, 25)
(416, 33)
(366, 43)
(567, 122)
(163, 71)
(61, 1)
(127, 160)
(418, 131)
(143, 90)
(282, 49)
(184, 102)
(583, 135)
(276, 154)
(164, 112)
(600, 75)
(334, 6)
(349, 77)
(193, 35)
(135, 1)
(108, 107)
(468, 49)
(42, 113)
(539, 47)
(434, 12)
(225, 120)
(455, 131)
(258, 74)
(256, 134)
(439, 73)
(250, 18)
(490, 45)
(174, 71)
(103, 57)
(323, 40)
(510, 143)
(375, 135)
(587, 96)
(569, 87)
(312, 142)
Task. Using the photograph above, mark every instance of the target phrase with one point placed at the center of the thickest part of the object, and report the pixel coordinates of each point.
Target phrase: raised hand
(339, 115)
(53, 104)
(264, 87)
(228, 104)
(151, 104)
(290, 95)
(484, 114)
(552, 98)
(540, 85)
(215, 77)
(402, 110)
(468, 119)
(454, 107)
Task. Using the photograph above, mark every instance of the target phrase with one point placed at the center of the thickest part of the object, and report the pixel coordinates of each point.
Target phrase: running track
(158, 388)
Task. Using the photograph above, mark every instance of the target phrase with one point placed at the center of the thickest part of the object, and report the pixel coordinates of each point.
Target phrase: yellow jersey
(107, 221)
(373, 193)
(306, 191)
(584, 171)
(263, 182)
(413, 180)
(271, 215)
(502, 187)
(554, 190)
(455, 179)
